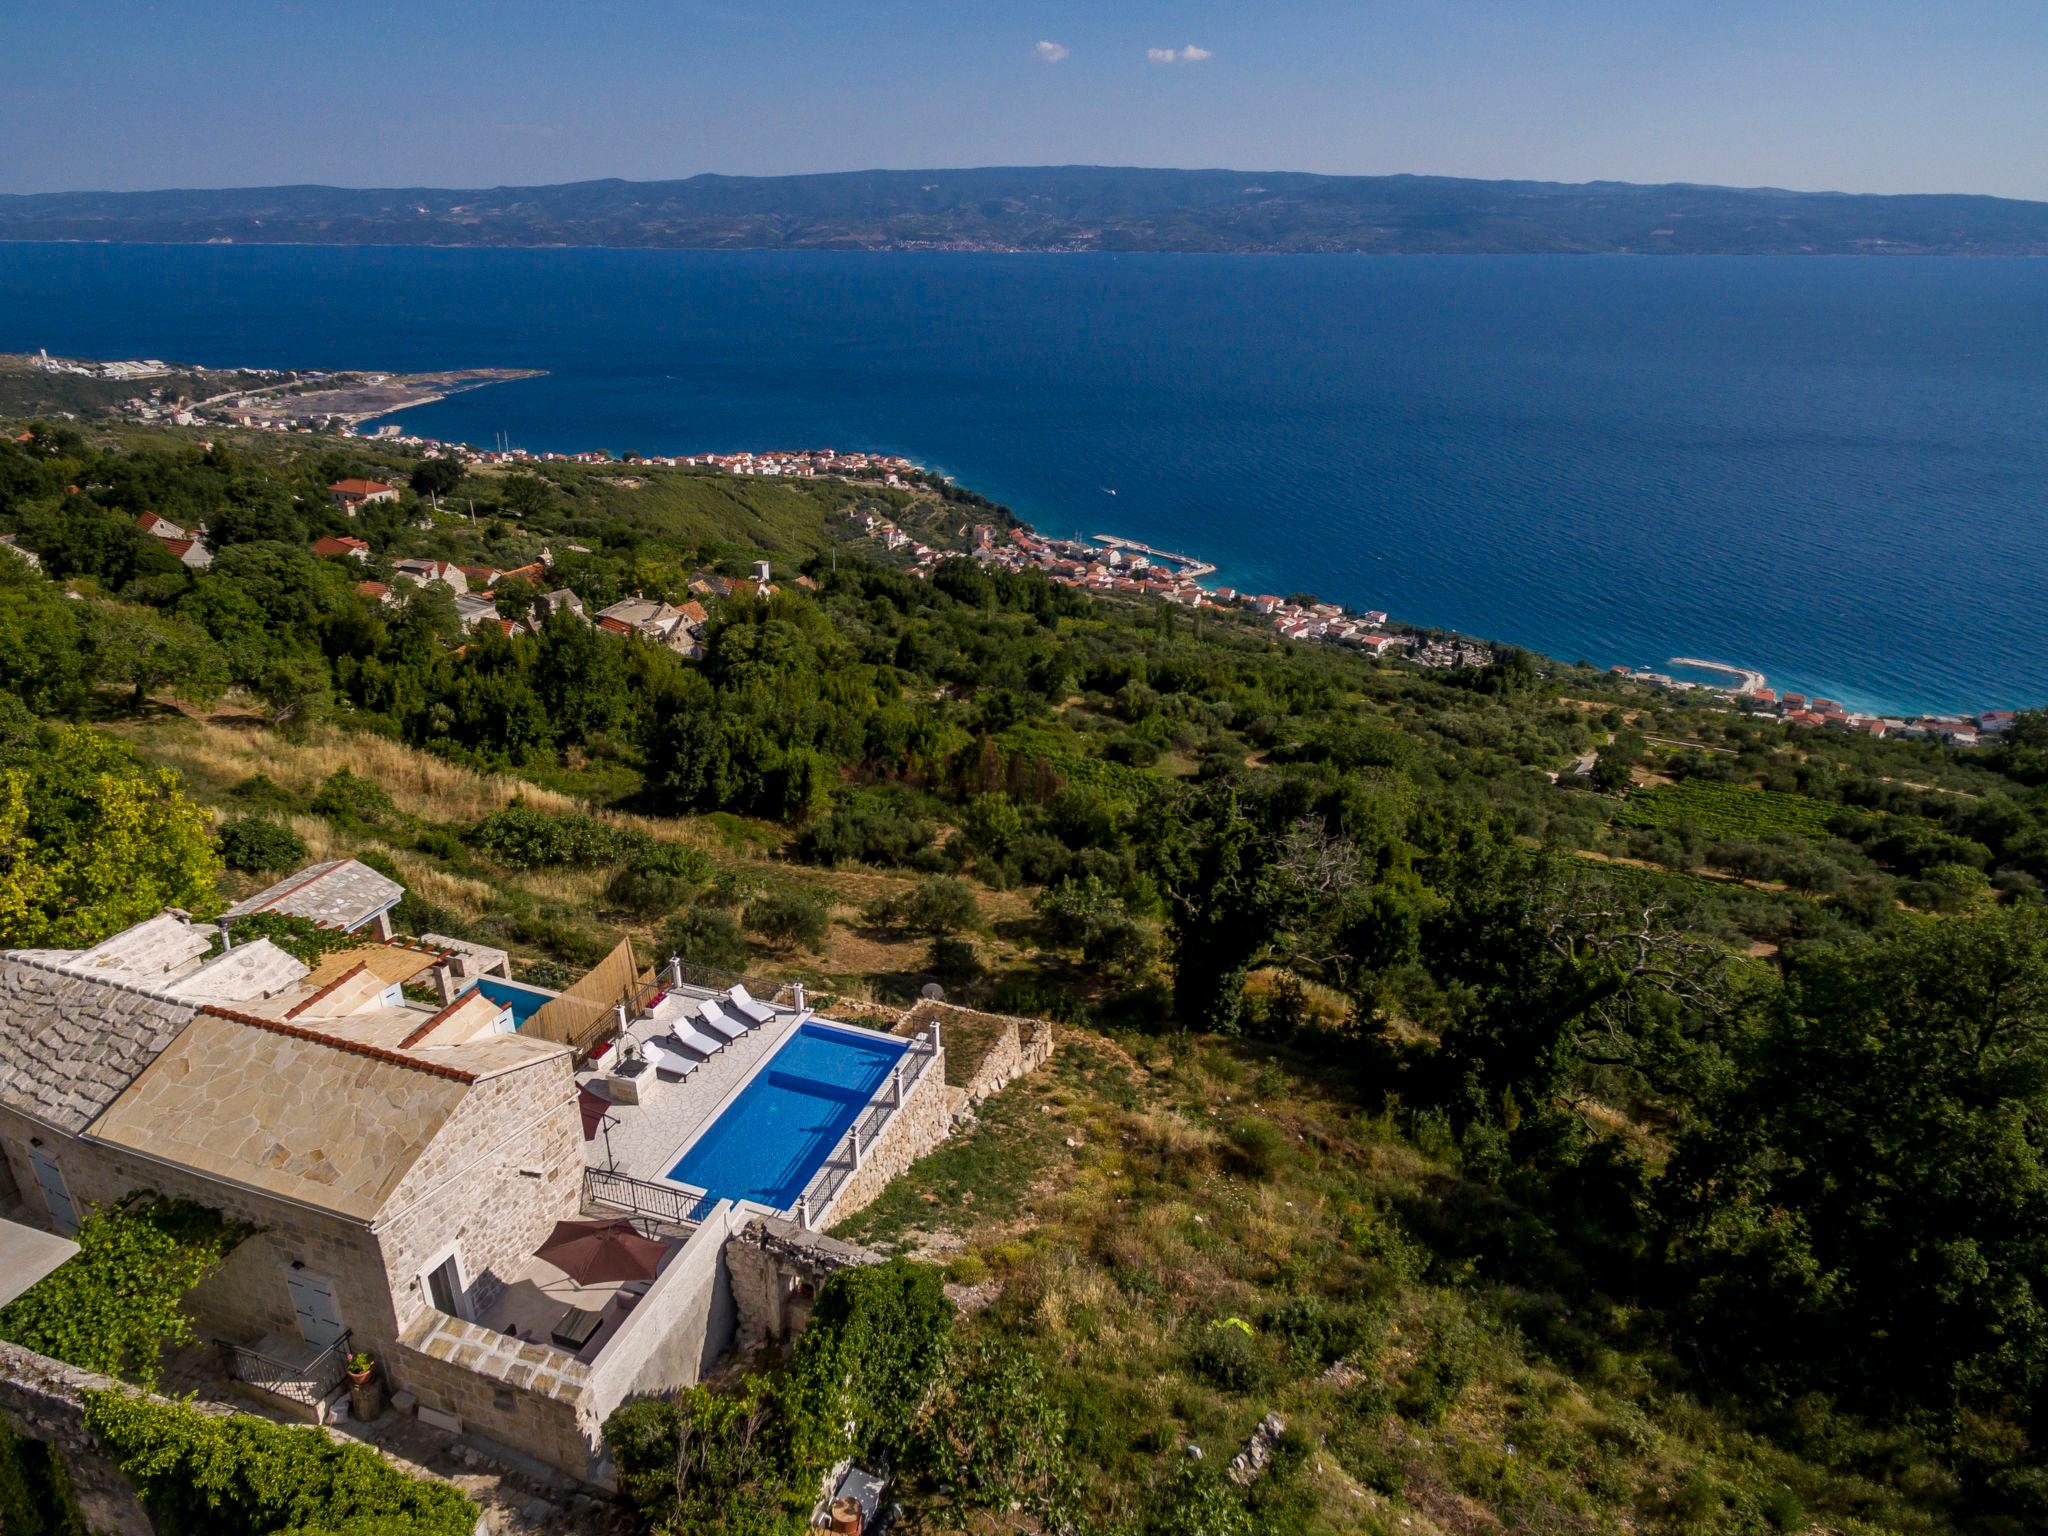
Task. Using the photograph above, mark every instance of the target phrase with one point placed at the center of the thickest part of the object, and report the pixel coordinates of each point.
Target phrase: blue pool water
(523, 1001)
(777, 1133)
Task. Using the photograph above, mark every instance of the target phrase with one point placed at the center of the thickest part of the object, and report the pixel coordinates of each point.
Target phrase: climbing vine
(235, 1475)
(113, 1305)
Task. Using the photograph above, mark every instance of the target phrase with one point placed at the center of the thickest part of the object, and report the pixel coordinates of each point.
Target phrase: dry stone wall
(44, 1399)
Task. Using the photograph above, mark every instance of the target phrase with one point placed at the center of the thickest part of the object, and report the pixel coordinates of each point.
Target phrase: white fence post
(675, 970)
(803, 1209)
(856, 1143)
(935, 1037)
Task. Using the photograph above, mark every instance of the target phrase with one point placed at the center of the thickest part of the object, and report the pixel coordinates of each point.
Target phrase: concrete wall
(505, 1168)
(923, 1120)
(680, 1329)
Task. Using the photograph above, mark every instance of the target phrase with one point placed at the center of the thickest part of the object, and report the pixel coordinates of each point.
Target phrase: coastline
(1130, 567)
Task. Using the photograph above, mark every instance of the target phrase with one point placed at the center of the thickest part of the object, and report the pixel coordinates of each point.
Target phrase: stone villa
(402, 1126)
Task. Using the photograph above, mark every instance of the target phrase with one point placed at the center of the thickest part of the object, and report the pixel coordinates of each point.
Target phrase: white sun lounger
(719, 1022)
(689, 1037)
(667, 1063)
(759, 1013)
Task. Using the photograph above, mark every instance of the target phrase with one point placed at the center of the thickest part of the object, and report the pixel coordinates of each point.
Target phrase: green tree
(435, 478)
(1866, 1207)
(704, 936)
(939, 905)
(790, 918)
(92, 840)
(258, 845)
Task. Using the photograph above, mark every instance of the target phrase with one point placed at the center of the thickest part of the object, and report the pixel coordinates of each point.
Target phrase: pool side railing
(839, 1165)
(673, 1202)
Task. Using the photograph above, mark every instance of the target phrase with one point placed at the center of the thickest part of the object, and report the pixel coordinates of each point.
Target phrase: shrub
(704, 936)
(255, 844)
(520, 837)
(868, 826)
(939, 905)
(1318, 1332)
(1260, 1147)
(747, 1460)
(1446, 1367)
(234, 1474)
(994, 1437)
(660, 878)
(114, 1304)
(264, 793)
(1225, 1355)
(300, 937)
(790, 918)
(346, 798)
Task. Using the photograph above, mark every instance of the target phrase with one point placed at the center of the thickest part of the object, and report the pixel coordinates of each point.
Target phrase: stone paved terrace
(644, 1137)
(536, 1296)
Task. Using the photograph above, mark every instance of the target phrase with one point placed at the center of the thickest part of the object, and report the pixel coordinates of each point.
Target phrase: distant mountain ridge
(1061, 208)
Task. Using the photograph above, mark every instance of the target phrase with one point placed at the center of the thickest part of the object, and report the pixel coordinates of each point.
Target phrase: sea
(1833, 470)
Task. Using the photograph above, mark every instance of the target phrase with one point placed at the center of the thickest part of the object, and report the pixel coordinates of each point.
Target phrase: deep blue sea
(1835, 470)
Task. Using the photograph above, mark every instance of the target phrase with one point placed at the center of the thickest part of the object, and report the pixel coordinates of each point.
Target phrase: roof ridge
(20, 957)
(447, 1011)
(306, 1002)
(309, 874)
(354, 1047)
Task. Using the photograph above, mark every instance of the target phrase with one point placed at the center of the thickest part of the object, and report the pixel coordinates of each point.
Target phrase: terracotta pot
(846, 1517)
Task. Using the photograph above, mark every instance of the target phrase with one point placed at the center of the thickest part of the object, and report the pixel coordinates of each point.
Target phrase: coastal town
(312, 401)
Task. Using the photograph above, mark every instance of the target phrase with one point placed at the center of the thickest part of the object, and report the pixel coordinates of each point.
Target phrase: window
(444, 1287)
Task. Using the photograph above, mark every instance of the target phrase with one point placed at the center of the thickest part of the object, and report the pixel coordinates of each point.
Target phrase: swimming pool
(524, 1002)
(767, 1142)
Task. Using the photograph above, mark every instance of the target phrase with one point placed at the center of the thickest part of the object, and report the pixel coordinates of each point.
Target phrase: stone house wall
(248, 1296)
(521, 1394)
(548, 1403)
(507, 1165)
(920, 1123)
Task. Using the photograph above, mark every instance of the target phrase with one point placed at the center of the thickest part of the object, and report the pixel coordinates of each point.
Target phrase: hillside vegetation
(1671, 1156)
(1063, 208)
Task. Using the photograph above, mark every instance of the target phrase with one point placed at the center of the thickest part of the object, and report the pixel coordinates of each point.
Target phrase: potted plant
(365, 1396)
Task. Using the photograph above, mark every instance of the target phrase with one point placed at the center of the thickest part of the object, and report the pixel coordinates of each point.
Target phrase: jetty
(1752, 681)
(1189, 565)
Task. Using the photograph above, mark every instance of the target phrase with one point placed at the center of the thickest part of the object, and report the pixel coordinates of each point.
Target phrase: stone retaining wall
(776, 1268)
(919, 1124)
(44, 1399)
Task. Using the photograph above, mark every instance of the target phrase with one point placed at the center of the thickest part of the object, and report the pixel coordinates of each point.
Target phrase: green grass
(1727, 811)
(1126, 1225)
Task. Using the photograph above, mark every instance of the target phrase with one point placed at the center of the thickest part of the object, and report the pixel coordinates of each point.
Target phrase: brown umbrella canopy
(597, 1252)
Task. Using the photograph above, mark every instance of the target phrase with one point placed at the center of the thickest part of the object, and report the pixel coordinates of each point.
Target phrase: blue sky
(1875, 95)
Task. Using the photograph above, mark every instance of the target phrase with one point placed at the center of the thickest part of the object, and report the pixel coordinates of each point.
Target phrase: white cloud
(1051, 53)
(1193, 55)
(1188, 55)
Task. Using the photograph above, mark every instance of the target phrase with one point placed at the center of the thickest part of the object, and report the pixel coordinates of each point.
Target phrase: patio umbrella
(593, 1107)
(598, 1252)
